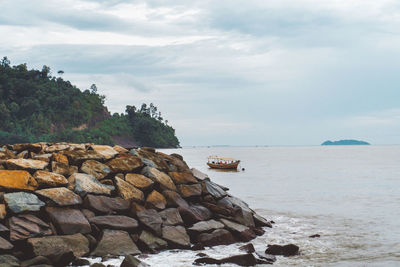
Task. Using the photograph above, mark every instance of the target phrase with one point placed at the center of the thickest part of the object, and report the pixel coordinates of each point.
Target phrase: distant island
(349, 142)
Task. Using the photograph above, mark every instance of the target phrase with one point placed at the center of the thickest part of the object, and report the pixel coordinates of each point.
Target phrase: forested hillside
(36, 106)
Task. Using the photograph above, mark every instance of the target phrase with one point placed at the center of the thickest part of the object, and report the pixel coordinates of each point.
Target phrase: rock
(116, 222)
(201, 254)
(43, 157)
(83, 184)
(68, 221)
(155, 200)
(243, 233)
(176, 236)
(49, 246)
(128, 191)
(26, 226)
(125, 164)
(182, 177)
(96, 169)
(80, 262)
(135, 208)
(97, 264)
(106, 205)
(152, 242)
(116, 243)
(206, 260)
(20, 180)
(139, 181)
(154, 159)
(60, 168)
(4, 231)
(120, 149)
(197, 246)
(314, 236)
(5, 245)
(249, 248)
(217, 237)
(286, 250)
(190, 190)
(3, 211)
(88, 213)
(61, 196)
(57, 147)
(258, 231)
(30, 147)
(174, 199)
(161, 178)
(7, 260)
(151, 219)
(194, 214)
(241, 260)
(60, 158)
(26, 164)
(35, 261)
(199, 175)
(268, 257)
(206, 226)
(174, 163)
(217, 209)
(61, 259)
(214, 190)
(131, 261)
(49, 179)
(260, 221)
(77, 157)
(21, 201)
(171, 216)
(106, 151)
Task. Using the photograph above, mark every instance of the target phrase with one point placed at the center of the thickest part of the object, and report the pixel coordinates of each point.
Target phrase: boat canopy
(221, 158)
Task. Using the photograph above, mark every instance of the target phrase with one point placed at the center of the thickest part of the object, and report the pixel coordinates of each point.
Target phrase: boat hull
(223, 166)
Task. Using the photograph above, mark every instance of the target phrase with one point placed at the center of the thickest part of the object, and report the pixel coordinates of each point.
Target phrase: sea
(349, 195)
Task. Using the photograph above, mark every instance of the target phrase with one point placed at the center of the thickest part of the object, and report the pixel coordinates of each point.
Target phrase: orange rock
(45, 178)
(60, 158)
(3, 211)
(106, 151)
(120, 149)
(138, 180)
(24, 164)
(17, 180)
(190, 190)
(128, 191)
(156, 200)
(182, 177)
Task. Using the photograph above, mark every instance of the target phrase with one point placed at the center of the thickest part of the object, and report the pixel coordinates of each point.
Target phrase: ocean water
(350, 195)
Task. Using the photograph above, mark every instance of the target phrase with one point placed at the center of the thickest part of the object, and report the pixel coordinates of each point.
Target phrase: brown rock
(174, 199)
(214, 190)
(61, 195)
(242, 232)
(30, 147)
(182, 177)
(125, 164)
(151, 219)
(241, 260)
(56, 245)
(26, 164)
(96, 169)
(128, 191)
(155, 200)
(194, 214)
(60, 168)
(199, 175)
(26, 226)
(205, 226)
(68, 221)
(106, 205)
(190, 190)
(83, 184)
(49, 179)
(43, 157)
(174, 163)
(151, 242)
(61, 158)
(57, 147)
(106, 151)
(151, 158)
(76, 157)
(249, 248)
(116, 222)
(21, 180)
(261, 221)
(216, 238)
(171, 217)
(176, 236)
(161, 178)
(120, 149)
(3, 211)
(135, 208)
(139, 181)
(286, 250)
(115, 243)
(5, 245)
(88, 213)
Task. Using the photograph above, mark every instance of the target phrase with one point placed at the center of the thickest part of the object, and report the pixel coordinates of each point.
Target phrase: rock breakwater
(59, 202)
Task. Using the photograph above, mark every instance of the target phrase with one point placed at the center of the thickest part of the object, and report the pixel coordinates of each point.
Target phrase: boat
(217, 162)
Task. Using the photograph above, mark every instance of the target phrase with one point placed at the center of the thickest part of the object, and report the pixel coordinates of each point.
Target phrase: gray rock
(199, 175)
(151, 219)
(96, 169)
(215, 190)
(216, 238)
(152, 242)
(206, 226)
(7, 260)
(171, 216)
(69, 221)
(21, 201)
(116, 222)
(5, 245)
(115, 243)
(176, 236)
(83, 184)
(106, 205)
(27, 225)
(131, 261)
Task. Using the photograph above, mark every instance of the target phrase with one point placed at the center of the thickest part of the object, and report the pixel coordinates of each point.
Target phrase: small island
(349, 142)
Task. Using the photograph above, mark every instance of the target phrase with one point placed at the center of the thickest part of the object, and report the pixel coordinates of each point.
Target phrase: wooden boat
(216, 162)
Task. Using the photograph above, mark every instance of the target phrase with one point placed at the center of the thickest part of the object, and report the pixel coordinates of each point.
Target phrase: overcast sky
(268, 72)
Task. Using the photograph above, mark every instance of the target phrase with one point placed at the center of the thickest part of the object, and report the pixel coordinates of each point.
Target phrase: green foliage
(34, 106)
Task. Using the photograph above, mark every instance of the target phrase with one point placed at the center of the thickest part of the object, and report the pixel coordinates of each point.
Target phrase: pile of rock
(63, 201)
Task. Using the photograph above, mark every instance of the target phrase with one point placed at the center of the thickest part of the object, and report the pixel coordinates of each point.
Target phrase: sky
(251, 72)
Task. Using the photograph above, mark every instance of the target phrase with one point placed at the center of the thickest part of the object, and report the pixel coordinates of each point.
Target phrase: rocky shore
(61, 202)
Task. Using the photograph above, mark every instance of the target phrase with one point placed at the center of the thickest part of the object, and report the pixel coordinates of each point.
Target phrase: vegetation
(35, 106)
(350, 142)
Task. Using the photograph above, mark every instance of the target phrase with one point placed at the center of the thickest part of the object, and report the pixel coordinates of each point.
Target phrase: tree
(93, 89)
(46, 71)
(60, 72)
(5, 62)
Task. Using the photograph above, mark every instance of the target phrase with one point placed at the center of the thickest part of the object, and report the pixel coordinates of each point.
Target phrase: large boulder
(199, 175)
(160, 178)
(49, 179)
(155, 200)
(22, 201)
(25, 226)
(174, 199)
(115, 243)
(68, 221)
(261, 221)
(194, 214)
(106, 205)
(286, 250)
(61, 196)
(106, 151)
(96, 169)
(241, 260)
(182, 177)
(214, 190)
(206, 226)
(175, 163)
(77, 157)
(50, 246)
(152, 242)
(176, 236)
(26, 164)
(128, 191)
(139, 181)
(83, 184)
(216, 238)
(125, 164)
(116, 222)
(131, 261)
(171, 216)
(242, 232)
(151, 219)
(17, 180)
(150, 158)
(191, 190)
